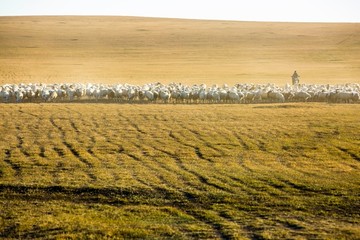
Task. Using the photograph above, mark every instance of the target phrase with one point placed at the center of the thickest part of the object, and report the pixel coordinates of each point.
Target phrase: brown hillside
(139, 50)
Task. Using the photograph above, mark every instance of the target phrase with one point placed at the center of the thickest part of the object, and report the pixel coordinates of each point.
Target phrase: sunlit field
(142, 50)
(106, 169)
(256, 171)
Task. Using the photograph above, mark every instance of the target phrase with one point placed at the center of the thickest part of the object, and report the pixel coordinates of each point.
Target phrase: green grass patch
(164, 171)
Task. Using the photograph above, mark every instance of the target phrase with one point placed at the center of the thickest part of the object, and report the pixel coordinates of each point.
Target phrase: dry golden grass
(178, 171)
(269, 171)
(142, 50)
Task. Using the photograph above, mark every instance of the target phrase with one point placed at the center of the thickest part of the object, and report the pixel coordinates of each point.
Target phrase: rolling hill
(140, 50)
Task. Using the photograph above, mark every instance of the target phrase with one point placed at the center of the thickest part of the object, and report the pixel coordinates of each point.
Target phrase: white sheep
(276, 96)
(178, 92)
(164, 95)
(302, 96)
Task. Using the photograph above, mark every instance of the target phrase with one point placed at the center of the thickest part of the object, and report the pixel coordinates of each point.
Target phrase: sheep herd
(179, 93)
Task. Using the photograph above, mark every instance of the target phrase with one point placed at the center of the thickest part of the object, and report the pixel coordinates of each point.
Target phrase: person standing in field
(295, 78)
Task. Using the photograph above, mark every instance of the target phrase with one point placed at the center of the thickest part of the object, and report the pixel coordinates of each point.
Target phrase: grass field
(178, 171)
(143, 50)
(157, 171)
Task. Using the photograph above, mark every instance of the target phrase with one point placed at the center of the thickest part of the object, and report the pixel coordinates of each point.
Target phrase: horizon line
(178, 18)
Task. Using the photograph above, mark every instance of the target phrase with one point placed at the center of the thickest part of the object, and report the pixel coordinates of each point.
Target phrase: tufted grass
(180, 171)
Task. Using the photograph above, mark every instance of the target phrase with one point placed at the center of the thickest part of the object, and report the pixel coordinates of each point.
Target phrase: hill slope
(138, 50)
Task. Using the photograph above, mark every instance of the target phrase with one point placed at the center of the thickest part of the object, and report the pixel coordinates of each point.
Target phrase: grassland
(269, 171)
(164, 171)
(143, 50)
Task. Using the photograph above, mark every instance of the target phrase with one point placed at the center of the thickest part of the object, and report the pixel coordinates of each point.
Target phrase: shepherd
(295, 78)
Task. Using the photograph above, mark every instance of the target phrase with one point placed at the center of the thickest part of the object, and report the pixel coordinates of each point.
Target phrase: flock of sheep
(180, 93)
